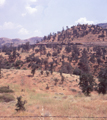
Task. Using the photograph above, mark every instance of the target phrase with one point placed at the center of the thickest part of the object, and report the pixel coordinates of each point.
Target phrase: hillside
(103, 25)
(48, 74)
(88, 34)
(60, 100)
(16, 42)
(83, 34)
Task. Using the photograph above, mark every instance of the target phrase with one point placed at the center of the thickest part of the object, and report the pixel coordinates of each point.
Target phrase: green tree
(34, 67)
(20, 104)
(102, 77)
(83, 63)
(1, 60)
(86, 83)
(92, 58)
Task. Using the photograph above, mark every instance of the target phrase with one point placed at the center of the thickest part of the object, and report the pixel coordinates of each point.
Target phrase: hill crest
(17, 41)
(78, 34)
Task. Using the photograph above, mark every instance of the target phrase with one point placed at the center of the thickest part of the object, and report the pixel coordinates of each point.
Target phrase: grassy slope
(58, 100)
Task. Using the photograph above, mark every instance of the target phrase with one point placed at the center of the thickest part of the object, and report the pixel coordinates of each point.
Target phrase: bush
(28, 59)
(5, 89)
(66, 68)
(54, 54)
(48, 54)
(18, 62)
(18, 67)
(6, 98)
(100, 36)
(20, 104)
(24, 68)
(68, 49)
(77, 71)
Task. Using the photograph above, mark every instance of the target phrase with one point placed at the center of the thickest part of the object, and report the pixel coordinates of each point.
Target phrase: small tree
(34, 67)
(62, 79)
(56, 80)
(47, 73)
(77, 71)
(83, 63)
(20, 104)
(41, 72)
(1, 59)
(51, 67)
(33, 71)
(86, 83)
(102, 77)
(0, 69)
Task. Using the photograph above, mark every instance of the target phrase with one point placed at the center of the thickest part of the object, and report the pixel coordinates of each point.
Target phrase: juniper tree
(47, 73)
(14, 53)
(92, 59)
(20, 104)
(0, 69)
(62, 79)
(51, 67)
(83, 63)
(41, 72)
(86, 83)
(1, 59)
(102, 77)
(56, 80)
(34, 67)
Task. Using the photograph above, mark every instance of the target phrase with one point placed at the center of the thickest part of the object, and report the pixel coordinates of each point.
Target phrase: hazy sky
(29, 18)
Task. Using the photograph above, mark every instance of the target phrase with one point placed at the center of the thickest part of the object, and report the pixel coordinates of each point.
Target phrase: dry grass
(52, 102)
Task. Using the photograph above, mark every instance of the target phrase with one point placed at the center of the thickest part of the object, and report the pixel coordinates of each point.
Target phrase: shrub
(18, 67)
(66, 68)
(5, 89)
(48, 54)
(77, 71)
(18, 62)
(6, 98)
(24, 68)
(68, 49)
(100, 36)
(54, 54)
(20, 104)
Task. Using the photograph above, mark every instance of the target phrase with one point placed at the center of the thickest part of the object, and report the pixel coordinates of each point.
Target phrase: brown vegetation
(43, 73)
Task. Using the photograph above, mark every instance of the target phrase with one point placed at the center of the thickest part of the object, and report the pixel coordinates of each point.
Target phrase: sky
(30, 18)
